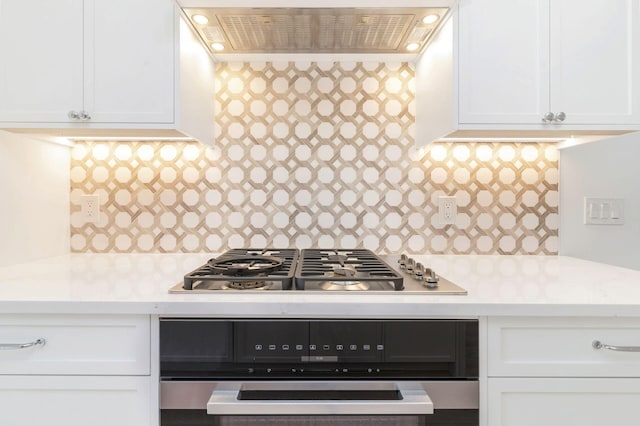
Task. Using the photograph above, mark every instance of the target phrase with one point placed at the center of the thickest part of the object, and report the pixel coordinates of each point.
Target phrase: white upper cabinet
(595, 60)
(503, 61)
(41, 43)
(103, 68)
(527, 68)
(129, 60)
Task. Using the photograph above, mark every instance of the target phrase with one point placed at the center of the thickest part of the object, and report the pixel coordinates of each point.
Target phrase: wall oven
(231, 372)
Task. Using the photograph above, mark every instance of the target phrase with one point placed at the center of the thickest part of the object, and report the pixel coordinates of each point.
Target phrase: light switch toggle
(603, 211)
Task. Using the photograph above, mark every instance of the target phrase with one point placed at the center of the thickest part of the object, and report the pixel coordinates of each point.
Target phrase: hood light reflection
(200, 19)
(430, 19)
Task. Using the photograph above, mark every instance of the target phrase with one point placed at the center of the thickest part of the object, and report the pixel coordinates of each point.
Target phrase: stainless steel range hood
(246, 29)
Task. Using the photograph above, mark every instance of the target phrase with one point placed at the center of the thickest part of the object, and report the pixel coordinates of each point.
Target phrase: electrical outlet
(447, 210)
(90, 205)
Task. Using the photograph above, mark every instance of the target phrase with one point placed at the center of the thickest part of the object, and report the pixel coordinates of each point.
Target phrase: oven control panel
(309, 341)
(318, 348)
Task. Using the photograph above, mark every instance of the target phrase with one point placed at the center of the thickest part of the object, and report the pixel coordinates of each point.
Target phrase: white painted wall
(605, 169)
(34, 199)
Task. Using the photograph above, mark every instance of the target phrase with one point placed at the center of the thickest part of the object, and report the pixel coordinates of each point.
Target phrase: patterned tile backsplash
(312, 154)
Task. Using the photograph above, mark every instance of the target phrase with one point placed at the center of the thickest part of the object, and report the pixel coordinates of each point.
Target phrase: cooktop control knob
(410, 264)
(402, 262)
(430, 278)
(418, 271)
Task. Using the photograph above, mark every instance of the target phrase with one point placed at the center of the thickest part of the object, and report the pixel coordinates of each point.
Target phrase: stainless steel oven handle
(224, 399)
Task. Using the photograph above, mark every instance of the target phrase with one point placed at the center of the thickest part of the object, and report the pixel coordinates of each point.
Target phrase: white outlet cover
(90, 207)
(447, 210)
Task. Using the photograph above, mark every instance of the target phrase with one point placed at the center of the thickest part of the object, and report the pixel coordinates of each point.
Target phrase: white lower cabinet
(563, 347)
(74, 401)
(76, 370)
(75, 345)
(548, 371)
(562, 402)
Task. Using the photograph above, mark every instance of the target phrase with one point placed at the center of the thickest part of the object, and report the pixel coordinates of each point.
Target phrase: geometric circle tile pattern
(315, 155)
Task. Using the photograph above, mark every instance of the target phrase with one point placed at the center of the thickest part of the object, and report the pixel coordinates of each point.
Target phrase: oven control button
(272, 347)
(339, 347)
(285, 347)
(353, 347)
(366, 347)
(293, 370)
(369, 370)
(258, 347)
(250, 370)
(268, 370)
(312, 347)
(298, 347)
(380, 347)
(345, 370)
(326, 347)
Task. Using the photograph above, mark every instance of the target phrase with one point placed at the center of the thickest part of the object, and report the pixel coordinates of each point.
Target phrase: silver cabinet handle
(84, 116)
(548, 117)
(73, 115)
(597, 344)
(15, 346)
(560, 116)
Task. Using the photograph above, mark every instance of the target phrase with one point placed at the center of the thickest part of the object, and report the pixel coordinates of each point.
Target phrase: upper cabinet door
(129, 60)
(503, 61)
(595, 68)
(41, 60)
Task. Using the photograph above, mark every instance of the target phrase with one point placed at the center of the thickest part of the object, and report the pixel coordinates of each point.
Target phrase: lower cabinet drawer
(75, 401)
(563, 347)
(562, 402)
(75, 344)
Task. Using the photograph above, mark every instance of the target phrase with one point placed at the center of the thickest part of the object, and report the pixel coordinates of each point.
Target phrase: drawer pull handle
(14, 346)
(597, 344)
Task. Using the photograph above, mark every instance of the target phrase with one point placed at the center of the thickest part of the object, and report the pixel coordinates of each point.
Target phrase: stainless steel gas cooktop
(316, 270)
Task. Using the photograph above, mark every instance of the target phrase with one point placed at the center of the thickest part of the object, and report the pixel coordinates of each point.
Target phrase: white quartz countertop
(497, 285)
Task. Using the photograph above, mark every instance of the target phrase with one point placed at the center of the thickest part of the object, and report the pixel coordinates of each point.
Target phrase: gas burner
(343, 271)
(338, 269)
(245, 265)
(344, 285)
(244, 269)
(247, 285)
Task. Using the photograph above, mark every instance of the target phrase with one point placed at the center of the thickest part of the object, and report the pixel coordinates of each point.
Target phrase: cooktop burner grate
(338, 269)
(245, 269)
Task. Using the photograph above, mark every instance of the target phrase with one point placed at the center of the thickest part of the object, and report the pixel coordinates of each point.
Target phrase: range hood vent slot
(315, 30)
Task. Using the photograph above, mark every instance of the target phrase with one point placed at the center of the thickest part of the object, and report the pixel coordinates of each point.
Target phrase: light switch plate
(603, 211)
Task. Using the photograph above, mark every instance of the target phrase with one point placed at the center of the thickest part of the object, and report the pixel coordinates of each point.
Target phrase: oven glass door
(311, 404)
